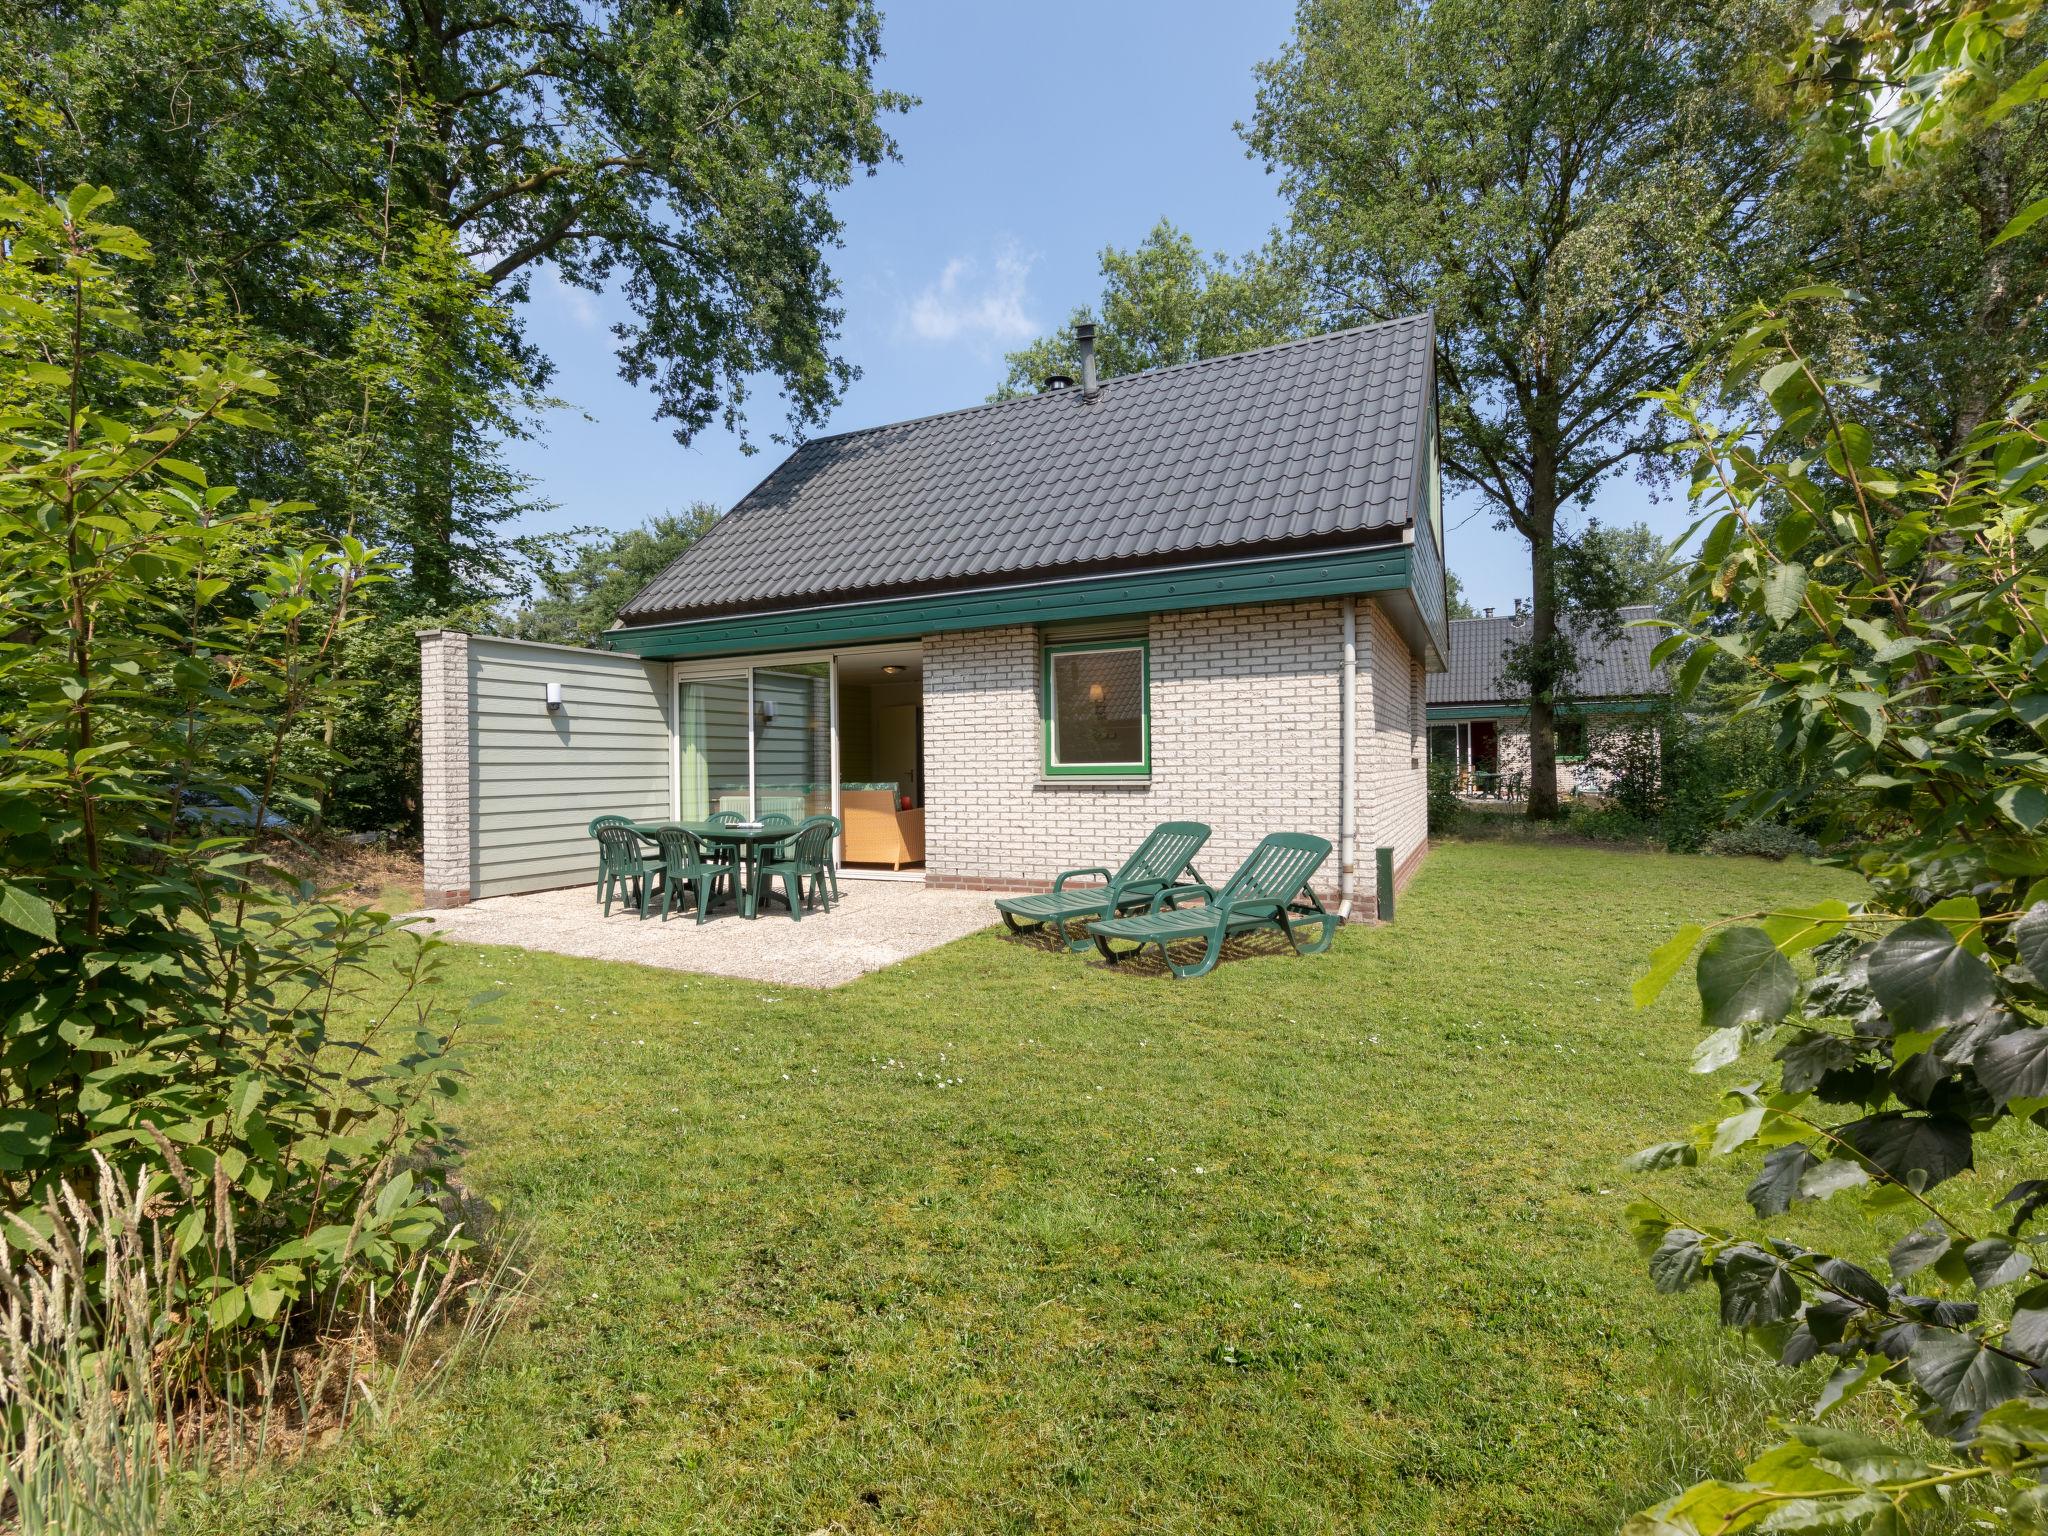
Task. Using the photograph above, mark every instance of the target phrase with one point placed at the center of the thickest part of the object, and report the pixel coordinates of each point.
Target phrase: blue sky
(1047, 131)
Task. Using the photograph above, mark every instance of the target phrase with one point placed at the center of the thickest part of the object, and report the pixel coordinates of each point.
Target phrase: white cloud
(968, 304)
(581, 303)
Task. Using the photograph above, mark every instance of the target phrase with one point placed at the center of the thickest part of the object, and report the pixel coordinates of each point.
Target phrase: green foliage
(580, 599)
(167, 1010)
(1445, 809)
(363, 749)
(1889, 619)
(1602, 568)
(358, 197)
(1563, 183)
(1165, 302)
(375, 190)
(1760, 840)
(1455, 603)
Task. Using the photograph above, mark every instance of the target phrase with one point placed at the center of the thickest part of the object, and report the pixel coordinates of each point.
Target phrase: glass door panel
(712, 737)
(793, 739)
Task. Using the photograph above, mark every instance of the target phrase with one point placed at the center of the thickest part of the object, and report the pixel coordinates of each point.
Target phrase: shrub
(1890, 622)
(1445, 811)
(1760, 840)
(1626, 760)
(174, 1018)
(1609, 822)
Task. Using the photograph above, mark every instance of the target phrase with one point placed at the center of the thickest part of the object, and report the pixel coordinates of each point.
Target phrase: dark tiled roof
(1297, 446)
(1607, 669)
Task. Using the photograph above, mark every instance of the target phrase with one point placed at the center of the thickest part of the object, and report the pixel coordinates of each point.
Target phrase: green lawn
(999, 1240)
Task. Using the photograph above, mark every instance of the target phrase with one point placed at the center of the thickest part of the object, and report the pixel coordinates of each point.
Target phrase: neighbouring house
(1007, 640)
(1479, 723)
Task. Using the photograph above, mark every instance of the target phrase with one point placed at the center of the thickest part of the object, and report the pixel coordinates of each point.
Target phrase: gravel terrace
(874, 924)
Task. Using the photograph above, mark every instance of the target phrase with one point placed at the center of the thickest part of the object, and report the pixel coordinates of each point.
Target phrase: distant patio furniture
(1269, 890)
(1159, 861)
(623, 867)
(688, 869)
(877, 832)
(804, 857)
(735, 839)
(605, 821)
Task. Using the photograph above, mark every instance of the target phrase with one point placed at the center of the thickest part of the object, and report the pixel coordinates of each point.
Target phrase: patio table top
(719, 831)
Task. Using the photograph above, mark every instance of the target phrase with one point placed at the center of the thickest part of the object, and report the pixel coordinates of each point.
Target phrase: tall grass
(98, 1420)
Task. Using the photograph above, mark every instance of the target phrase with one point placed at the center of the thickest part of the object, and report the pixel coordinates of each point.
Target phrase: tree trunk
(1543, 680)
(430, 169)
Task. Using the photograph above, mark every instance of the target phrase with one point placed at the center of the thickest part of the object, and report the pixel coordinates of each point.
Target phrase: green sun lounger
(1159, 862)
(1269, 890)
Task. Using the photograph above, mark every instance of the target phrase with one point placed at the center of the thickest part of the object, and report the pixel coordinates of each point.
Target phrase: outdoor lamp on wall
(766, 710)
(554, 698)
(1095, 693)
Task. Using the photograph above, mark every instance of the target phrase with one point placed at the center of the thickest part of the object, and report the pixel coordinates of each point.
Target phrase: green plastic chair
(806, 856)
(1269, 890)
(726, 853)
(624, 868)
(775, 819)
(1160, 861)
(605, 821)
(687, 868)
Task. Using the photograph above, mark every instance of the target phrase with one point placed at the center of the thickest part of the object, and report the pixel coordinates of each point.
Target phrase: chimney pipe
(1084, 338)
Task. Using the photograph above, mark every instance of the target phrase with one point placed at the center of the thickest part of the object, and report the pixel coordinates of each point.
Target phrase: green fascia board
(1380, 569)
(1449, 714)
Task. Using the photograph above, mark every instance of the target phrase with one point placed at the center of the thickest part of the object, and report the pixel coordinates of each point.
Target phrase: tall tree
(1568, 183)
(1455, 602)
(1619, 566)
(581, 596)
(1164, 301)
(370, 186)
(1947, 313)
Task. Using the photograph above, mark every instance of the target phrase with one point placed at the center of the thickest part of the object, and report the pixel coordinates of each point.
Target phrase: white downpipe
(1347, 763)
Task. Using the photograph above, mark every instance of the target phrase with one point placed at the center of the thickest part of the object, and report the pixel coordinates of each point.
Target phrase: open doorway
(881, 761)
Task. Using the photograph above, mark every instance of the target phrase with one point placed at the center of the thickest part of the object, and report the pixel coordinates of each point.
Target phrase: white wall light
(554, 698)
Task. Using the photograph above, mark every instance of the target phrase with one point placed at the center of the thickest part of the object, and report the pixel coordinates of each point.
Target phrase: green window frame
(1053, 769)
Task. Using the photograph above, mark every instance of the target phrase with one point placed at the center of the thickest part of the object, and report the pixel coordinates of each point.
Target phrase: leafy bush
(1609, 822)
(1626, 759)
(1760, 840)
(1445, 810)
(1891, 623)
(171, 1014)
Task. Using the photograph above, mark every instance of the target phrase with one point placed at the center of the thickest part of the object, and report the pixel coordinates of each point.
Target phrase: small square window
(1097, 710)
(1571, 741)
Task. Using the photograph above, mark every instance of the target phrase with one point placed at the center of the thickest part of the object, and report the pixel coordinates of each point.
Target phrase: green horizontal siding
(536, 779)
(1052, 602)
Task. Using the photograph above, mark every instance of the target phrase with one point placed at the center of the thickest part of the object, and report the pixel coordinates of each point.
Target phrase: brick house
(1007, 640)
(1479, 720)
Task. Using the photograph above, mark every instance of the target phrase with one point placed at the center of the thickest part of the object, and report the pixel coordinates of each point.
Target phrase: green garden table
(746, 841)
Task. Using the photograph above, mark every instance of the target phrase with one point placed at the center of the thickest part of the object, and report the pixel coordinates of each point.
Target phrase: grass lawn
(1001, 1241)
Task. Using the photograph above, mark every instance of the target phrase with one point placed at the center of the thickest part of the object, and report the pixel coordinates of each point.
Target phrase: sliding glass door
(793, 739)
(756, 740)
(712, 746)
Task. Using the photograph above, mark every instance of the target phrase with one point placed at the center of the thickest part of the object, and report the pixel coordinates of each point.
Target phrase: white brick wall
(1514, 748)
(1245, 722)
(445, 766)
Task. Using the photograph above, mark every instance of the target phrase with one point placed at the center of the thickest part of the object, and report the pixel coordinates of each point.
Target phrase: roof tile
(1607, 669)
(1309, 440)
